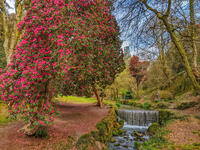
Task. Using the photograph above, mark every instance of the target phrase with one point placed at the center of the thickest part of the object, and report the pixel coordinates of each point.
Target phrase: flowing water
(136, 125)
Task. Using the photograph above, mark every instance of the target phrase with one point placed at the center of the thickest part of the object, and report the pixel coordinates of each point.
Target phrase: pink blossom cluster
(62, 41)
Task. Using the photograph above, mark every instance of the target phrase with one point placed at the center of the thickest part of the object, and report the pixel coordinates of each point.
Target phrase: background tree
(173, 16)
(138, 70)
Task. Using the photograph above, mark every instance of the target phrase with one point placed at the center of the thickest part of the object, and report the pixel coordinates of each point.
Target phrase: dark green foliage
(118, 105)
(128, 95)
(140, 105)
(186, 105)
(180, 85)
(164, 116)
(147, 105)
(41, 133)
(161, 105)
(137, 145)
(131, 103)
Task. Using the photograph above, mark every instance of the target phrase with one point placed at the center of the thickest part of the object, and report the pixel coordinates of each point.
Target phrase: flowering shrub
(63, 40)
(101, 59)
(138, 69)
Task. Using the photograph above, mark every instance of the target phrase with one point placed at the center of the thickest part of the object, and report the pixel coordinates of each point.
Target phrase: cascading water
(136, 125)
(138, 117)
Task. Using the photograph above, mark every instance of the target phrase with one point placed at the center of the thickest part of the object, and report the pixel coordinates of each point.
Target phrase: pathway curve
(74, 120)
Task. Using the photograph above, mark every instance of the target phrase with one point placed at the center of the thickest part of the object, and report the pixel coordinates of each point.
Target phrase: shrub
(186, 105)
(140, 105)
(164, 116)
(118, 105)
(161, 105)
(147, 105)
(132, 103)
(41, 132)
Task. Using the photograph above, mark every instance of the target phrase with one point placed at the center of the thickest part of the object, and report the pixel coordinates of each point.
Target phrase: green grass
(82, 100)
(3, 114)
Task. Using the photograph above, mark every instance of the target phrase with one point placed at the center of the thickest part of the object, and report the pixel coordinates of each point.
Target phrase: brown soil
(74, 120)
(185, 131)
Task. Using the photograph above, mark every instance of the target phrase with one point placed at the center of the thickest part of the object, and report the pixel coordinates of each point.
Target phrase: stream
(136, 124)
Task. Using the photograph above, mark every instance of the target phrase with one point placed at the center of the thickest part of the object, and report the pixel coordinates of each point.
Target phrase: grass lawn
(3, 114)
(82, 100)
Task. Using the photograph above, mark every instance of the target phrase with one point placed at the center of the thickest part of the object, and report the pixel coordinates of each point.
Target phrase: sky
(11, 3)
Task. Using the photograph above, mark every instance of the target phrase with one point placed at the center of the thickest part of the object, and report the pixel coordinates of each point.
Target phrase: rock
(29, 129)
(121, 141)
(137, 134)
(112, 140)
(99, 145)
(117, 144)
(125, 146)
(121, 131)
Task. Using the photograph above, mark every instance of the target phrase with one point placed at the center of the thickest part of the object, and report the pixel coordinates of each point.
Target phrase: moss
(186, 105)
(112, 140)
(164, 116)
(137, 145)
(108, 127)
(153, 128)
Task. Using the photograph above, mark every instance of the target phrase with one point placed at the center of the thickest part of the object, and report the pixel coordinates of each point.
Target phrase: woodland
(65, 71)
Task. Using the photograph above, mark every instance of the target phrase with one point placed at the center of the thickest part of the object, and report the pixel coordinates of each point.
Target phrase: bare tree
(138, 15)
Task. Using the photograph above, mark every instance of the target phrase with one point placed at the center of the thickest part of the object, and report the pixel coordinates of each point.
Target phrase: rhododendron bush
(102, 59)
(62, 40)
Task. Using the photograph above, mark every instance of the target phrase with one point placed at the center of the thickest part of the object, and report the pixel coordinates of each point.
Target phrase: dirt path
(74, 120)
(184, 131)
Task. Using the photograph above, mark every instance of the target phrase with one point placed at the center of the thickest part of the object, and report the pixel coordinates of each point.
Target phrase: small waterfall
(135, 126)
(138, 117)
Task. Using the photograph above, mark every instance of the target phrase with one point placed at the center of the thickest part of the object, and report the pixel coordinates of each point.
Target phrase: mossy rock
(152, 130)
(112, 140)
(164, 116)
(186, 105)
(117, 144)
(121, 131)
(108, 127)
(121, 122)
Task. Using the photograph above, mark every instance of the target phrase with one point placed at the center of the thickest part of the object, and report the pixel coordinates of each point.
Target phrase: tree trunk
(99, 100)
(5, 31)
(183, 55)
(177, 43)
(10, 43)
(194, 38)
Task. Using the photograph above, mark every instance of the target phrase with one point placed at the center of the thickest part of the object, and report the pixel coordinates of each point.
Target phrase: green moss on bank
(99, 139)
